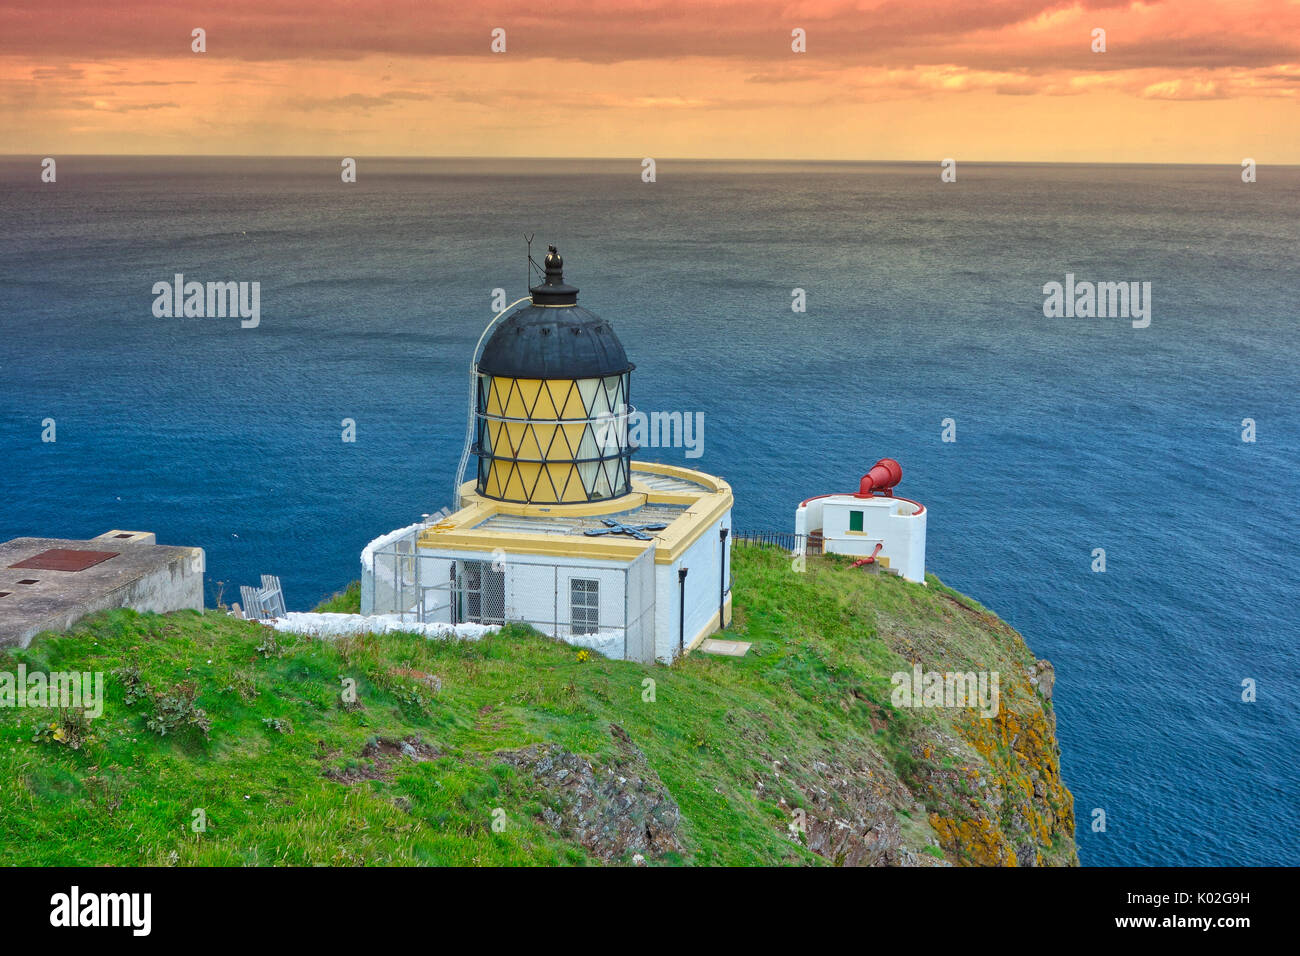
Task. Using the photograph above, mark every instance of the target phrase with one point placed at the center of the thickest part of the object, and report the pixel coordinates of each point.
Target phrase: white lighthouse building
(871, 523)
(561, 528)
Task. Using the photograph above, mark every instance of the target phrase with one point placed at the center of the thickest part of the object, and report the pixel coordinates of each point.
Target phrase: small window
(855, 520)
(584, 605)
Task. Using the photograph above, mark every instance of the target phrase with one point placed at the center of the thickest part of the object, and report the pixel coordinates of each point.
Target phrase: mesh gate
(478, 592)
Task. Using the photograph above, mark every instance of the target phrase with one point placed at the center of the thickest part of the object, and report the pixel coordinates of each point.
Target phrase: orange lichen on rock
(1018, 812)
(977, 841)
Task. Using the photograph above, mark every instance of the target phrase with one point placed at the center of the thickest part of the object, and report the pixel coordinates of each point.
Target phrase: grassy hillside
(520, 750)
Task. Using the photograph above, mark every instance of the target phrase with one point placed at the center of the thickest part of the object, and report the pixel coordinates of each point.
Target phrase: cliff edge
(836, 740)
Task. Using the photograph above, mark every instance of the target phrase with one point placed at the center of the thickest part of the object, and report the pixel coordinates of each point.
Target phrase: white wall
(703, 558)
(537, 591)
(808, 517)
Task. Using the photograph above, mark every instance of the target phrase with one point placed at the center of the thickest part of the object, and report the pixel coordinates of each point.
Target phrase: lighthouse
(561, 528)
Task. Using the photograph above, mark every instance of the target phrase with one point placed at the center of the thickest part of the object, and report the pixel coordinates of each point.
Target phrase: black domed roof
(554, 337)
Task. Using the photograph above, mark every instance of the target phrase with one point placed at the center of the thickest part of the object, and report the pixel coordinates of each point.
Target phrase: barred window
(584, 605)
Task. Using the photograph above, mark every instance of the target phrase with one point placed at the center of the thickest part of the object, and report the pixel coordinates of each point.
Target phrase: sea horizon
(927, 161)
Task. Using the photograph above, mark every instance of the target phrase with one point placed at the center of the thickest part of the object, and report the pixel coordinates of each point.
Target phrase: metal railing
(786, 540)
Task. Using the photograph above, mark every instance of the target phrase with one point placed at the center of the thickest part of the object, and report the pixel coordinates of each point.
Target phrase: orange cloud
(1190, 81)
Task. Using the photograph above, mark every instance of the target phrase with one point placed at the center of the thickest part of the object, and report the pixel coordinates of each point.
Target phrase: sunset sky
(1181, 80)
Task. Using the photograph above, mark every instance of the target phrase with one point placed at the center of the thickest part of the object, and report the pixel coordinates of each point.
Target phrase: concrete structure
(872, 523)
(49, 584)
(561, 529)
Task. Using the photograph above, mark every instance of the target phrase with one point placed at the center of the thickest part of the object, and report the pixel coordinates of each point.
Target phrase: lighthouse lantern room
(552, 402)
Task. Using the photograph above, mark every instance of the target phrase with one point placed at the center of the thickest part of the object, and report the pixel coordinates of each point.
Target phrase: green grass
(814, 688)
(347, 601)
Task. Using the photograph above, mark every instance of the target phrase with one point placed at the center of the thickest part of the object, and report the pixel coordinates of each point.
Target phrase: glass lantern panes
(553, 440)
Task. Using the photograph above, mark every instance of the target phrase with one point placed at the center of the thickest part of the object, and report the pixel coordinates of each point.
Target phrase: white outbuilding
(873, 524)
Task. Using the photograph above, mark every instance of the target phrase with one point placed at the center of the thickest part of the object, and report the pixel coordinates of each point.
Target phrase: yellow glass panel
(515, 486)
(515, 406)
(494, 478)
(573, 435)
(575, 492)
(545, 407)
(494, 395)
(526, 390)
(528, 447)
(573, 407)
(546, 442)
(558, 390)
(515, 434)
(535, 486)
(558, 474)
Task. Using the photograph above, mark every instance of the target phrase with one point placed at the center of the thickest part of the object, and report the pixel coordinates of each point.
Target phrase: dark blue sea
(925, 303)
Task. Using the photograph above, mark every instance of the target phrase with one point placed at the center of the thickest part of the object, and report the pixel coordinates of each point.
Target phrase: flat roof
(647, 513)
(688, 502)
(51, 583)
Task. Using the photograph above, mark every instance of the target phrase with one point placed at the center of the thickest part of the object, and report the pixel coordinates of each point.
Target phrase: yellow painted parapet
(514, 542)
(710, 482)
(469, 496)
(461, 531)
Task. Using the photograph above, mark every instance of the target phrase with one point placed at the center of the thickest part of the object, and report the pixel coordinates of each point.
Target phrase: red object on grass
(871, 558)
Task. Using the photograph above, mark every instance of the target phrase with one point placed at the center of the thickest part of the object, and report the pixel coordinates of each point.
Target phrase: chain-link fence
(608, 609)
(639, 615)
